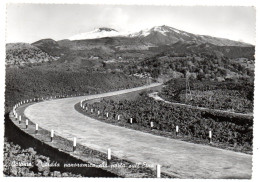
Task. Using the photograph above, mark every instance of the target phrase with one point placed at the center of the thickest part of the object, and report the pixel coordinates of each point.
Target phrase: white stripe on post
(158, 171)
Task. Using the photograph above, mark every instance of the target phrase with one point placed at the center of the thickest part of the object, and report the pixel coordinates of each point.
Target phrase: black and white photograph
(129, 91)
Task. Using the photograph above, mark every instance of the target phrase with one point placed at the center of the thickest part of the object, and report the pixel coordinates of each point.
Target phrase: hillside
(40, 81)
(23, 53)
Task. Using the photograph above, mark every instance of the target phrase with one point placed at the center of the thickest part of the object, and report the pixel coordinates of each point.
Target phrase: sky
(32, 22)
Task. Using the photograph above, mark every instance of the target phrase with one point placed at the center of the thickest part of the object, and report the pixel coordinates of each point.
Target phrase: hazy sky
(29, 23)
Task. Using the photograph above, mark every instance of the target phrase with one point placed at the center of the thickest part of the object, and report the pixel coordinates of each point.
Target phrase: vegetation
(229, 95)
(22, 53)
(202, 66)
(26, 83)
(231, 130)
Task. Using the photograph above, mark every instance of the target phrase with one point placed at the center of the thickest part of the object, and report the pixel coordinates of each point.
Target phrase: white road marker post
(16, 115)
(210, 136)
(81, 104)
(131, 120)
(118, 117)
(74, 144)
(152, 125)
(107, 114)
(98, 113)
(36, 128)
(26, 123)
(158, 171)
(108, 156)
(177, 130)
(20, 119)
(91, 110)
(52, 135)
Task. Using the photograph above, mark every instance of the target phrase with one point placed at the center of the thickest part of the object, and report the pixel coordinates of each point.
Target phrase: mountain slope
(95, 34)
(23, 53)
(161, 35)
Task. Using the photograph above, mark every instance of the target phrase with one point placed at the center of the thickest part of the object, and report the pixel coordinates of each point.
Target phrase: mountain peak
(97, 33)
(106, 29)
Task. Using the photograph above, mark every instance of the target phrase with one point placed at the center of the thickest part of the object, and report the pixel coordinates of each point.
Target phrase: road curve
(182, 159)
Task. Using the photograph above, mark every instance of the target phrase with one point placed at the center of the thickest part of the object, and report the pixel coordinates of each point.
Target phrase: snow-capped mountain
(162, 35)
(158, 35)
(97, 33)
(164, 30)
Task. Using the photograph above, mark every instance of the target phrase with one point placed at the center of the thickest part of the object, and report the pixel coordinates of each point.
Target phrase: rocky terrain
(27, 163)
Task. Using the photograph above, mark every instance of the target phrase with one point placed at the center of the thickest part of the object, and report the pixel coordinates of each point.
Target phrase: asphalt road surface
(182, 159)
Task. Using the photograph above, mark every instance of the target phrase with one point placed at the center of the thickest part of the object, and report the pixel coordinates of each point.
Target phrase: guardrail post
(151, 125)
(74, 144)
(20, 119)
(108, 156)
(52, 135)
(36, 128)
(177, 130)
(26, 123)
(210, 136)
(158, 171)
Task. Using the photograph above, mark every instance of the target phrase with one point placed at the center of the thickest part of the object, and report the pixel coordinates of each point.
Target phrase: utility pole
(188, 92)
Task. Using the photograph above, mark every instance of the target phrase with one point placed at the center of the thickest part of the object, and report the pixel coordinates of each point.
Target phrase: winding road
(179, 158)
